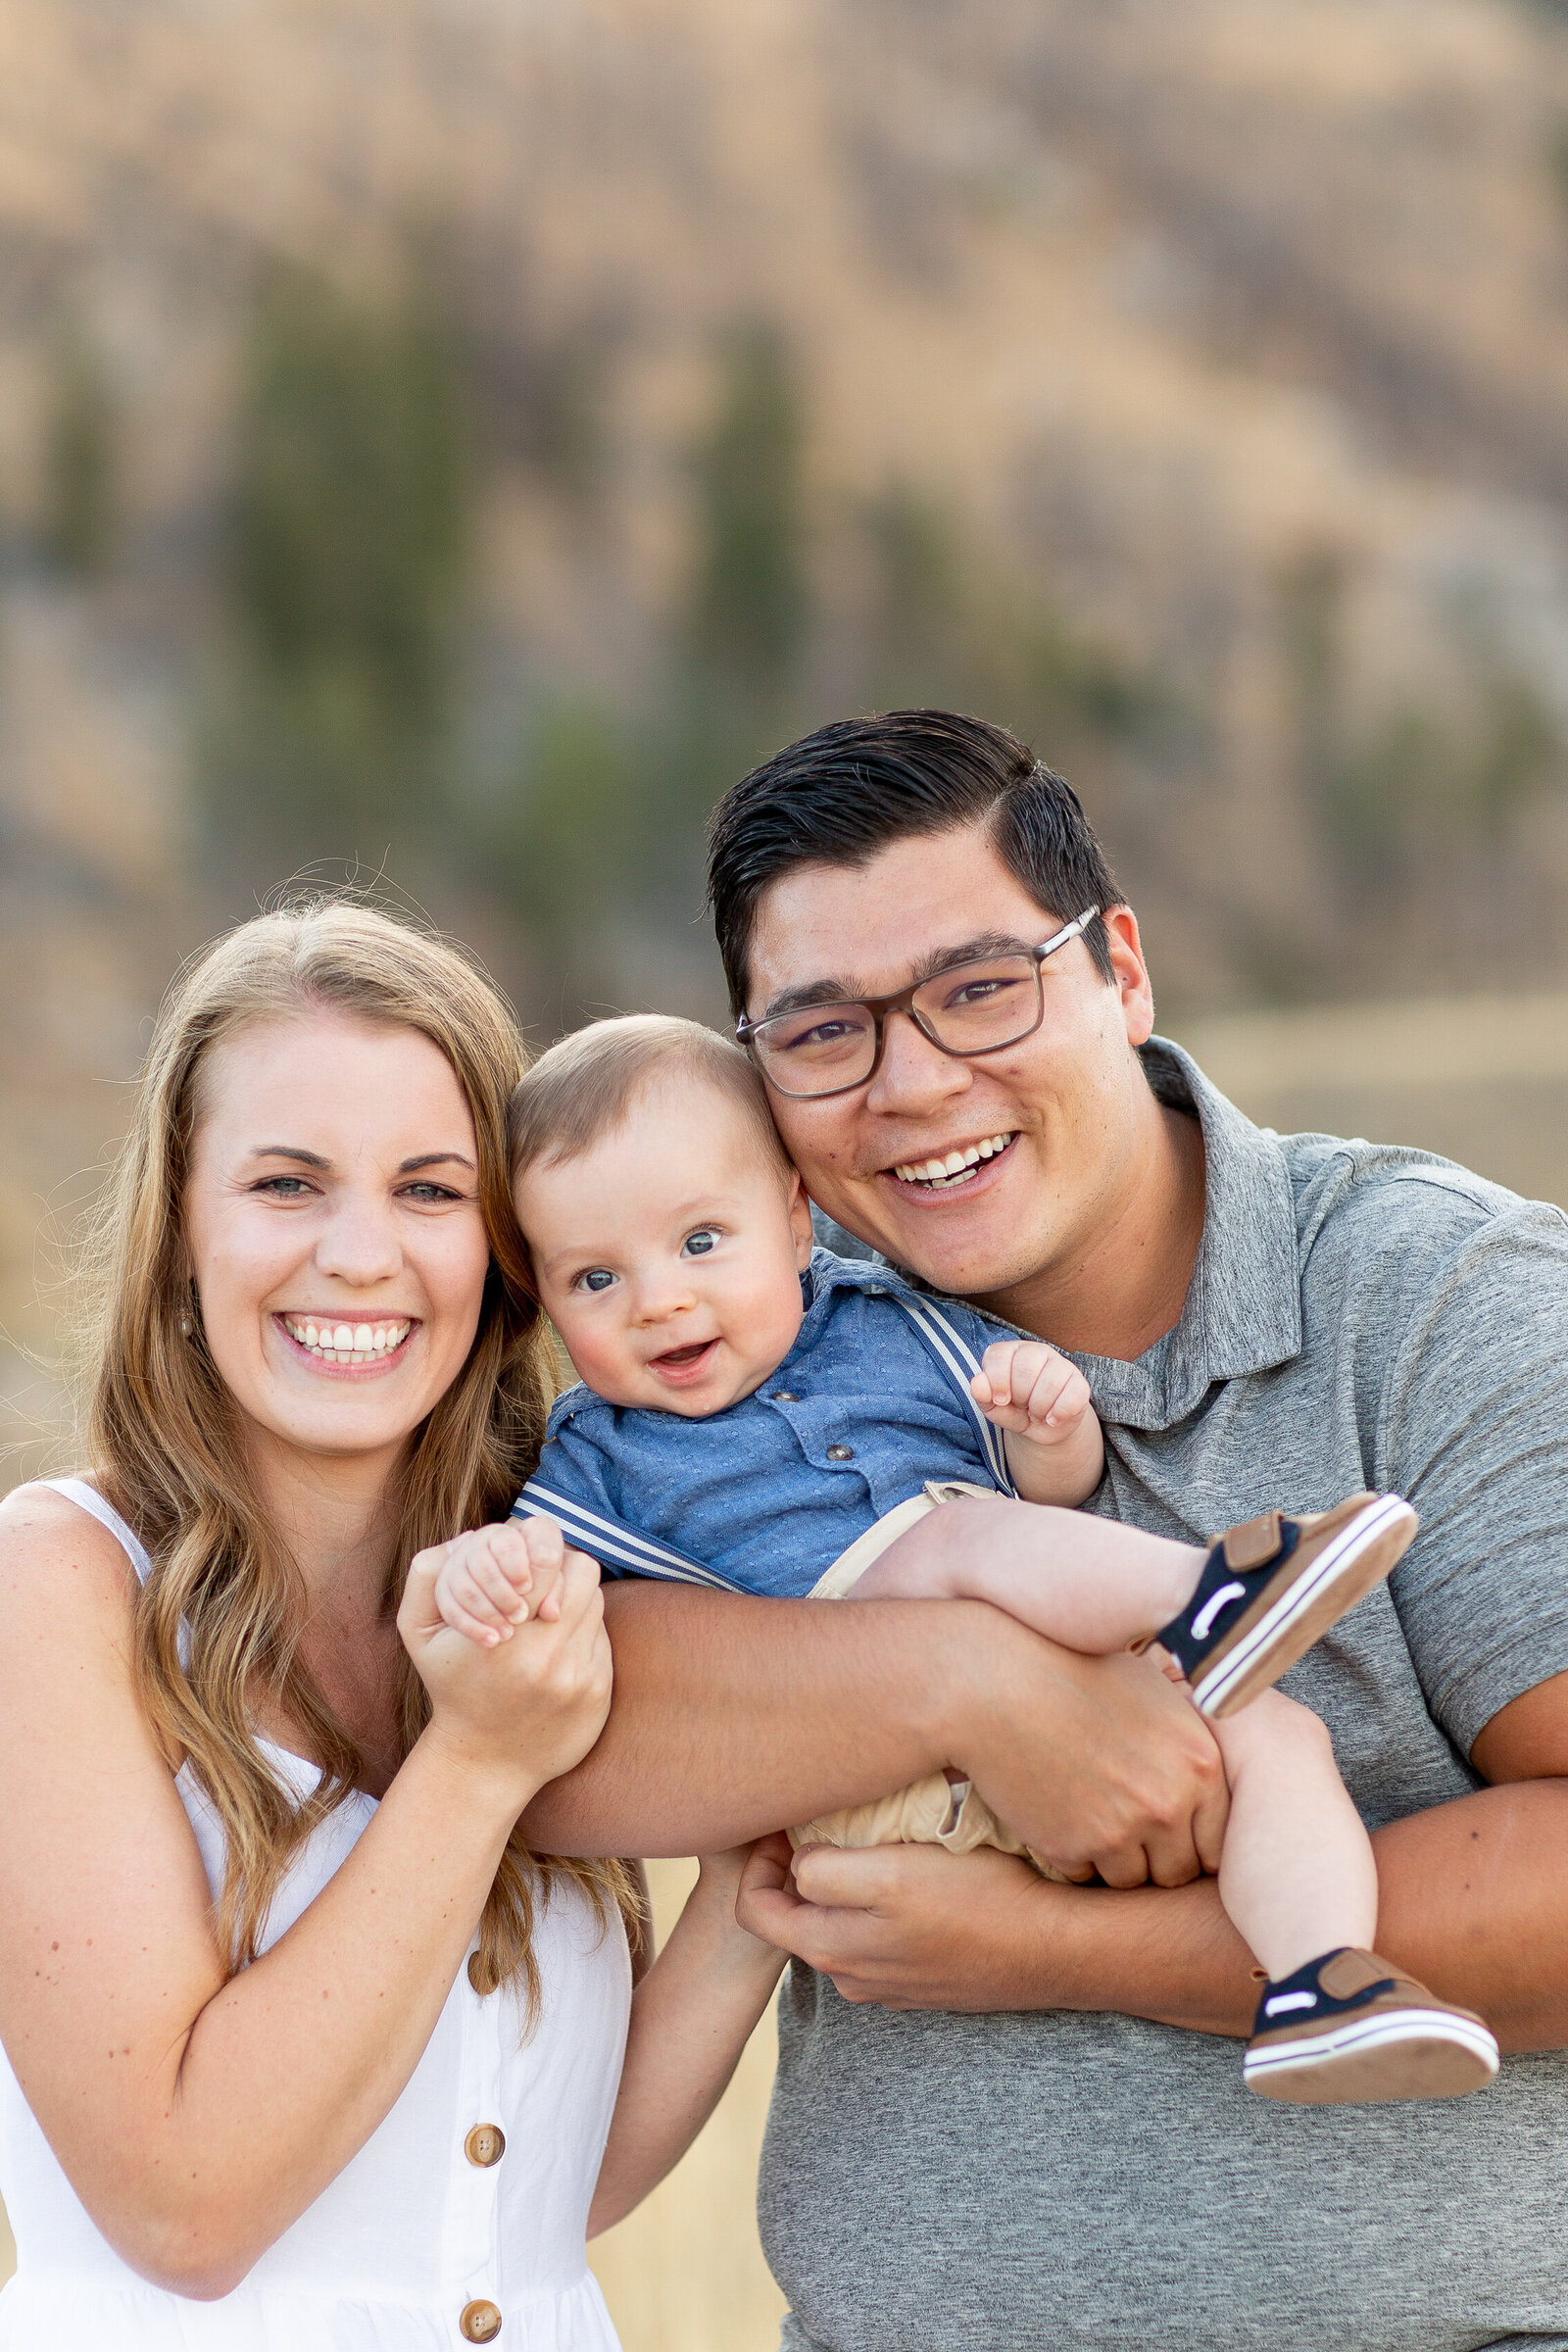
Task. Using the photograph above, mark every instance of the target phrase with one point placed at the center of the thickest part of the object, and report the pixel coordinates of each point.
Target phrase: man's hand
(1104, 1770)
(910, 1926)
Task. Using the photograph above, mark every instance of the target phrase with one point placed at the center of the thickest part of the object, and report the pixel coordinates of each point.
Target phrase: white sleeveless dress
(419, 2246)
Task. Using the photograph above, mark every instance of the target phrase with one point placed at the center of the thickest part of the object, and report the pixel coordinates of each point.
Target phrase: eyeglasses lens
(817, 1051)
(978, 1006)
(974, 1009)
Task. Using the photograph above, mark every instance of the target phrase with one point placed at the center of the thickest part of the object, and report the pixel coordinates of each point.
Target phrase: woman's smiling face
(334, 1228)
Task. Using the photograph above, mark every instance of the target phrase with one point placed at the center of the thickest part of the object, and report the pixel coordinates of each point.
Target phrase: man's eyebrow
(939, 960)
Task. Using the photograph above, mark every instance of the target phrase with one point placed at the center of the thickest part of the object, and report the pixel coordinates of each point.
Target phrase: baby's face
(669, 1257)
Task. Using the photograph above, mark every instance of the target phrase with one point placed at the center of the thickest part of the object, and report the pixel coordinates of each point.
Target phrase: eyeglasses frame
(902, 1001)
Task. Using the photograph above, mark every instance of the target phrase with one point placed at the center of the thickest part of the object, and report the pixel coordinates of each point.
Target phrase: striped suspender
(613, 1543)
(960, 1361)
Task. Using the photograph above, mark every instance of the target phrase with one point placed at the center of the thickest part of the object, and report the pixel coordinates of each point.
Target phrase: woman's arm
(197, 2115)
(691, 2017)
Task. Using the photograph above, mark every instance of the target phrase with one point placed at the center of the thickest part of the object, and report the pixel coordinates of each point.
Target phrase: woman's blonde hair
(219, 1618)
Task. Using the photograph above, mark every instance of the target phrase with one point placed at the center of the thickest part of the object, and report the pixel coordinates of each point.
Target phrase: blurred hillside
(451, 439)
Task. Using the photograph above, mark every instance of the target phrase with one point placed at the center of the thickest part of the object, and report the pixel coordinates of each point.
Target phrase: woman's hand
(531, 1707)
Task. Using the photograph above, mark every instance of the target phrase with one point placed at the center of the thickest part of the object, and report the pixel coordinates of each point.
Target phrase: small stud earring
(185, 1327)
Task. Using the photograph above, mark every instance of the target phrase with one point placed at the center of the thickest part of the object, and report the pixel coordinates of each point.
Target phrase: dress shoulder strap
(87, 1498)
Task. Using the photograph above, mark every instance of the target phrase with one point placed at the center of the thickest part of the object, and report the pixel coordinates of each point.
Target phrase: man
(1002, 2118)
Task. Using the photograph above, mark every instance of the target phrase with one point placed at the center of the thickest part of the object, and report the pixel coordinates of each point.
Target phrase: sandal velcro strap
(1254, 1544)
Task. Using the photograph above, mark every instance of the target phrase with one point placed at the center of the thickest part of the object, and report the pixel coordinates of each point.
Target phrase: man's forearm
(1472, 1901)
(734, 1716)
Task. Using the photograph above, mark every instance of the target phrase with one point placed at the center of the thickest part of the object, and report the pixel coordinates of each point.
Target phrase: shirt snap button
(485, 2144)
(478, 2322)
(840, 1453)
(785, 1397)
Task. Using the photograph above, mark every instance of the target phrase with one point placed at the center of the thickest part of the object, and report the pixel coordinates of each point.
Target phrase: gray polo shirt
(1358, 1316)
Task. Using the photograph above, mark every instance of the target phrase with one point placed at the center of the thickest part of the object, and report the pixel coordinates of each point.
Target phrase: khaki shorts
(935, 1811)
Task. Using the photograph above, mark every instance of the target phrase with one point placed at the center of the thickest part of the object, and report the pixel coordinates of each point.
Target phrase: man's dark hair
(838, 796)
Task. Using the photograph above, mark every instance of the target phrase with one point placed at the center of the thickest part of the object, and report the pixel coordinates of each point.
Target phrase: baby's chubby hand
(494, 1579)
(1025, 1387)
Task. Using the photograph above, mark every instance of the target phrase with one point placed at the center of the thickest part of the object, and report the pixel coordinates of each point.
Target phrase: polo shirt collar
(1243, 1310)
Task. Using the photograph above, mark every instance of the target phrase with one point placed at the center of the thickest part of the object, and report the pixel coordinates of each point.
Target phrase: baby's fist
(493, 1579)
(1025, 1387)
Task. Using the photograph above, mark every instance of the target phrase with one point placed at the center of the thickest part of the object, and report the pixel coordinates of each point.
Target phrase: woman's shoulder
(43, 1531)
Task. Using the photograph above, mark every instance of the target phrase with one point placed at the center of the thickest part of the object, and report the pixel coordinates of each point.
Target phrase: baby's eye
(698, 1244)
(597, 1278)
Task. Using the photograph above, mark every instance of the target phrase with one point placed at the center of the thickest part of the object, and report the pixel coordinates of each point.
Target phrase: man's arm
(1474, 1901)
(732, 1716)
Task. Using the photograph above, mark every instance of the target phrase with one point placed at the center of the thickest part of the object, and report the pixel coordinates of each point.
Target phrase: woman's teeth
(346, 1343)
(957, 1168)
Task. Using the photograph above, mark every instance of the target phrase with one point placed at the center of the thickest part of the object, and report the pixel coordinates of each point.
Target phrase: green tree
(347, 569)
(750, 601)
(80, 456)
(353, 512)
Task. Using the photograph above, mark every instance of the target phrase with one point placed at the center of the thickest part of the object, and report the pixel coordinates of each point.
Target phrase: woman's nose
(359, 1244)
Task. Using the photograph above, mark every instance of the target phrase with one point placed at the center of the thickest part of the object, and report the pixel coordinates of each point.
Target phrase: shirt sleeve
(1472, 1427)
(573, 1487)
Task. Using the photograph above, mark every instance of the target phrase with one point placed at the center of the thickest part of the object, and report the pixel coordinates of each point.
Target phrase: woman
(304, 2048)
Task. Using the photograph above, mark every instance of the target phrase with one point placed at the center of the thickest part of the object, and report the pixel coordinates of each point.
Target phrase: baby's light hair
(585, 1086)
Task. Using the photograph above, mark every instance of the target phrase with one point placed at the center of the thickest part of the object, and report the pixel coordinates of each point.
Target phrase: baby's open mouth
(956, 1169)
(676, 1360)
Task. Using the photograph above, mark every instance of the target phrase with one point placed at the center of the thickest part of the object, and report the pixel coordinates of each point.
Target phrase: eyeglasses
(971, 1009)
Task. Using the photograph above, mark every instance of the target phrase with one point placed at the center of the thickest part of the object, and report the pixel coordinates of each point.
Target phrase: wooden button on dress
(485, 2144)
(478, 2322)
(473, 1974)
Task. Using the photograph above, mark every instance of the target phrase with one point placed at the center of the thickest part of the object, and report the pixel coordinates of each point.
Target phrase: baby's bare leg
(1296, 1875)
(1090, 1583)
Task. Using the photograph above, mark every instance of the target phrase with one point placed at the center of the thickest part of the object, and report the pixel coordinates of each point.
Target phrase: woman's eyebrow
(434, 1160)
(308, 1160)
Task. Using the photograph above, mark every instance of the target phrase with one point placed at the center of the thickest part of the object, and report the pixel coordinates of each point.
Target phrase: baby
(761, 1416)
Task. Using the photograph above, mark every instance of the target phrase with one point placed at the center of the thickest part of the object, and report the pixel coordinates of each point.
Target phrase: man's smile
(955, 1170)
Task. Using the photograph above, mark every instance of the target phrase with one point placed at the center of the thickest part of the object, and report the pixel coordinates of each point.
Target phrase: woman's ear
(800, 1222)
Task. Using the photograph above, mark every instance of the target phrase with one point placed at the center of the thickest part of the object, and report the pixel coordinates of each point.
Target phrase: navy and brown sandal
(1272, 1586)
(1351, 2027)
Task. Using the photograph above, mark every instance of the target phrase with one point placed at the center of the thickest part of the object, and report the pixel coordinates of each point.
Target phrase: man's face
(1060, 1105)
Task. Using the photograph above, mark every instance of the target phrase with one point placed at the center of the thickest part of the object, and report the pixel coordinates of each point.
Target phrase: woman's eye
(429, 1191)
(698, 1244)
(597, 1278)
(284, 1187)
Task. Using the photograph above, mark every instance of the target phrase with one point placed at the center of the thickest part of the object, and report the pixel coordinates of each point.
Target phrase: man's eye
(597, 1278)
(698, 1244)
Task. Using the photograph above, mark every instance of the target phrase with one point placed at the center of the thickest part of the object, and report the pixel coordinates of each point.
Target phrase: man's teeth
(958, 1167)
(346, 1343)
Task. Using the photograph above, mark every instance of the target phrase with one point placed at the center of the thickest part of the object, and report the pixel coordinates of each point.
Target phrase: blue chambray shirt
(871, 1401)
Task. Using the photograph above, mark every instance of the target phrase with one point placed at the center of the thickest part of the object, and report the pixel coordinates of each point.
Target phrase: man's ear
(1132, 981)
(800, 1222)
